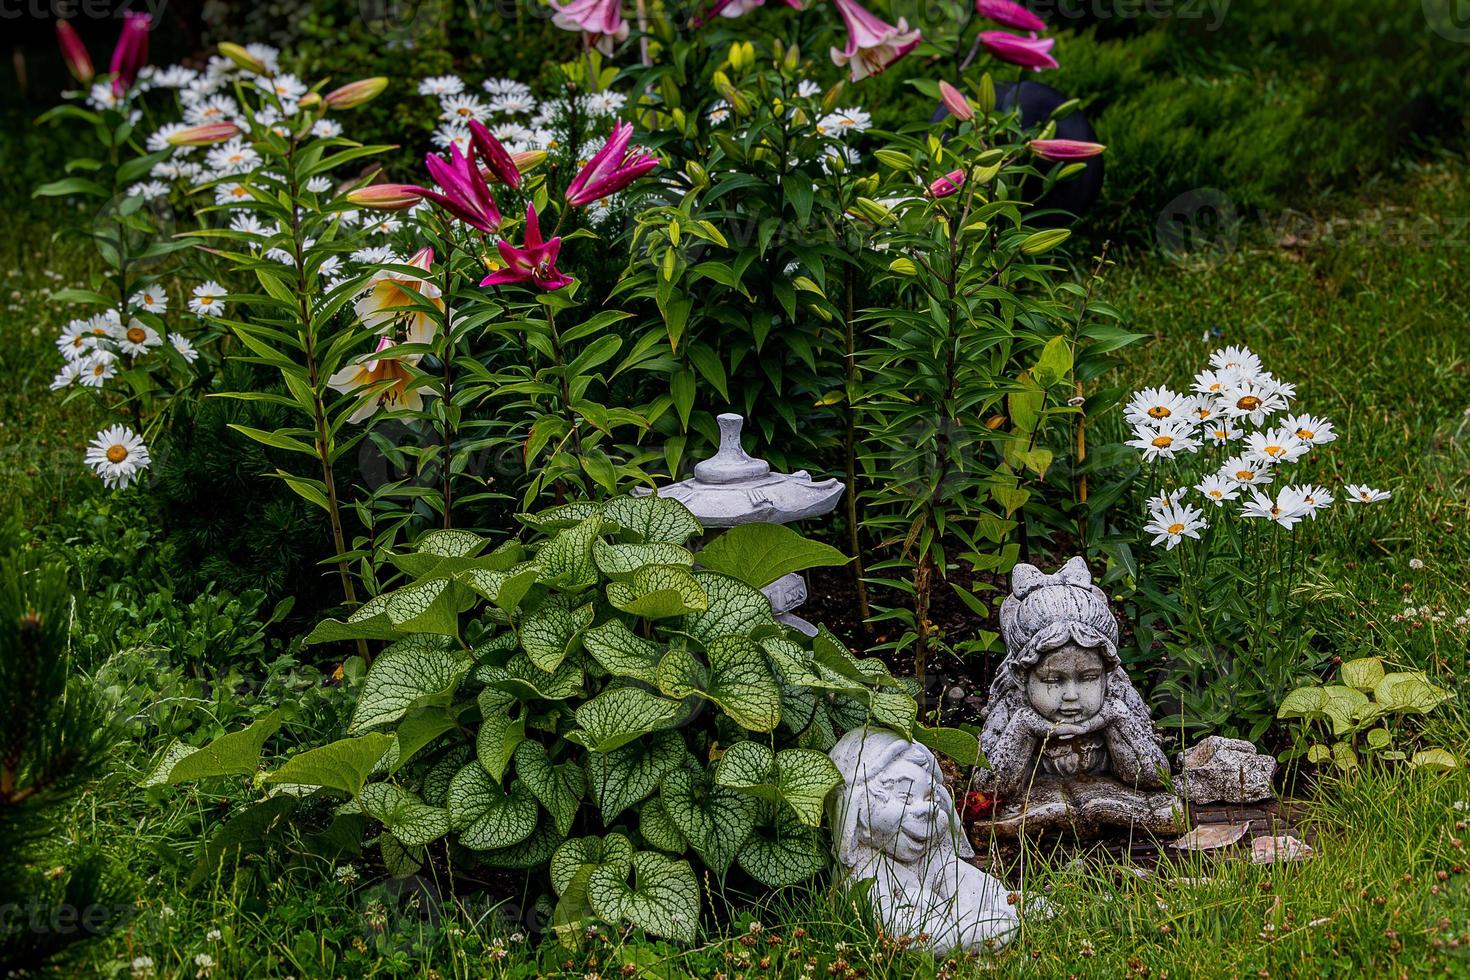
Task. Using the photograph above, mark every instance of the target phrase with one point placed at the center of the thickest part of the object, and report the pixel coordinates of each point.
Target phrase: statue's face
(1068, 685)
(903, 824)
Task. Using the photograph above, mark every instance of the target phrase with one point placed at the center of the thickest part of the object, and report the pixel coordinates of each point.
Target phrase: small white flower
(451, 135)
(97, 368)
(1214, 383)
(137, 338)
(597, 104)
(1252, 400)
(214, 935)
(142, 967)
(67, 376)
(853, 120)
(76, 340)
(118, 455)
(151, 298)
(1217, 489)
(376, 255)
(441, 85)
(1246, 471)
(326, 128)
(1317, 498)
(1155, 405)
(149, 190)
(216, 108)
(460, 109)
(232, 157)
(286, 87)
(1363, 494)
(1220, 431)
(209, 299)
(184, 346)
(506, 86)
(808, 89)
(1416, 564)
(719, 112)
(232, 193)
(1239, 361)
(1164, 441)
(1287, 509)
(1175, 523)
(1310, 428)
(248, 223)
(266, 55)
(205, 962)
(1160, 502)
(1278, 445)
(345, 874)
(319, 185)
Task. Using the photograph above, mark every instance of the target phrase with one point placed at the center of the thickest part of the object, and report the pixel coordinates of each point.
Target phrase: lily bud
(948, 184)
(955, 101)
(528, 160)
(74, 52)
(242, 58)
(904, 267)
(386, 197)
(874, 212)
(697, 175)
(204, 135)
(356, 93)
(987, 93)
(894, 159)
(1065, 149)
(310, 100)
(793, 58)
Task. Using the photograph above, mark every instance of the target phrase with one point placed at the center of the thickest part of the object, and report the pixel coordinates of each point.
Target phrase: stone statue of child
(894, 822)
(1064, 729)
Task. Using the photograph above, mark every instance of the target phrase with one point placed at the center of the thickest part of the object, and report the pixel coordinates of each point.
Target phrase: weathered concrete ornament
(894, 822)
(1225, 770)
(1069, 740)
(732, 487)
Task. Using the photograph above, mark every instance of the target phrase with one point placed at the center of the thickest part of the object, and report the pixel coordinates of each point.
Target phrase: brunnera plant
(595, 704)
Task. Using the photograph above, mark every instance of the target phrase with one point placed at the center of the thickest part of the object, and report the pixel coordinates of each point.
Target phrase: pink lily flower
(131, 53)
(948, 184)
(872, 44)
(1010, 14)
(1065, 149)
(1028, 52)
(954, 100)
(734, 8)
(611, 169)
(498, 161)
(600, 21)
(465, 194)
(534, 263)
(74, 52)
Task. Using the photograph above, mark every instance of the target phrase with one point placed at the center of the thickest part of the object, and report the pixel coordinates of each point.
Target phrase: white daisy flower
(385, 226)
(76, 340)
(719, 111)
(1310, 428)
(151, 298)
(1154, 405)
(280, 255)
(149, 190)
(1317, 498)
(1277, 446)
(1175, 523)
(1363, 494)
(286, 87)
(158, 141)
(319, 185)
(831, 154)
(246, 222)
(1285, 389)
(97, 368)
(266, 55)
(209, 299)
(853, 120)
(447, 136)
(67, 376)
(1165, 440)
(326, 129)
(1217, 489)
(1214, 382)
(1253, 400)
(1202, 408)
(1239, 361)
(506, 86)
(1287, 509)
(606, 103)
(174, 76)
(514, 105)
(184, 346)
(231, 192)
(1246, 471)
(808, 89)
(216, 108)
(1220, 431)
(1160, 502)
(376, 255)
(441, 85)
(118, 455)
(137, 339)
(460, 109)
(101, 96)
(232, 157)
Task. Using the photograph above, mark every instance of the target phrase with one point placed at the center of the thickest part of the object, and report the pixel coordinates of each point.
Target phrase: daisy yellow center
(1274, 451)
(137, 335)
(1217, 494)
(1305, 434)
(117, 453)
(1221, 434)
(1159, 412)
(1275, 511)
(1202, 413)
(240, 192)
(1175, 528)
(206, 298)
(1245, 475)
(1163, 442)
(99, 368)
(1249, 403)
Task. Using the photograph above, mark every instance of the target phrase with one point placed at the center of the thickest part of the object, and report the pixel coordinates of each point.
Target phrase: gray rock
(1225, 770)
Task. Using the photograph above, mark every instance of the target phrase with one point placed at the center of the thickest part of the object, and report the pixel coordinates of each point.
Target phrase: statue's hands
(1031, 723)
(1087, 727)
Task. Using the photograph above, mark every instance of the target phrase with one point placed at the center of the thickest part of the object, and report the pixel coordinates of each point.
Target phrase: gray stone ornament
(1225, 770)
(894, 823)
(1069, 741)
(732, 487)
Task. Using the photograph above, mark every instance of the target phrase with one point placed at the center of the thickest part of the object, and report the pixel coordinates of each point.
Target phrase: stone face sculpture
(894, 822)
(1069, 740)
(1225, 770)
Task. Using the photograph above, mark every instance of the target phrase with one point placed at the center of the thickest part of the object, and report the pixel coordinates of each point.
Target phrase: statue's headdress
(1044, 612)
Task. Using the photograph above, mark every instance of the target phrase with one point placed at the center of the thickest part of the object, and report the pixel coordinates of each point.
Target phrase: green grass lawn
(1366, 313)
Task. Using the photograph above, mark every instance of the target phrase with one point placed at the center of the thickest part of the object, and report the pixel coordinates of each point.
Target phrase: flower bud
(874, 212)
(894, 159)
(528, 160)
(74, 52)
(386, 197)
(904, 267)
(356, 93)
(242, 58)
(204, 135)
(948, 184)
(310, 100)
(1065, 149)
(955, 101)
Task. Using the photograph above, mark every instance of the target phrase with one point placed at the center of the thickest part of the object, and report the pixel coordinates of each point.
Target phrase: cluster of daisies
(836, 127)
(94, 348)
(1244, 415)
